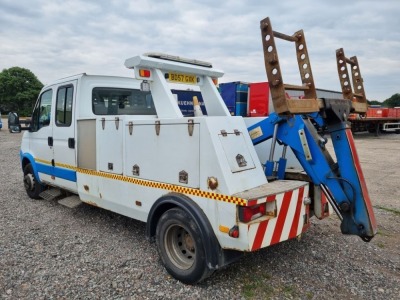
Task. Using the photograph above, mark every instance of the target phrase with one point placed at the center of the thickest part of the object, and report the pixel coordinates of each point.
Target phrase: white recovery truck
(122, 144)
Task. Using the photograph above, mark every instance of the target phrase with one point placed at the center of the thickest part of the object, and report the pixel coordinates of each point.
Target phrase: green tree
(393, 101)
(19, 89)
(374, 102)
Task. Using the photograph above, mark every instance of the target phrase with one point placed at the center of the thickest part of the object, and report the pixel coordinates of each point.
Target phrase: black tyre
(180, 247)
(32, 186)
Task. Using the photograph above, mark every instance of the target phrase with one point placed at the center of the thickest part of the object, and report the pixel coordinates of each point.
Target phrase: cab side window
(64, 106)
(42, 111)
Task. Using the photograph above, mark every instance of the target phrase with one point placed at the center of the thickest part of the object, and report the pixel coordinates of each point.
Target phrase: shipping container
(235, 96)
(258, 99)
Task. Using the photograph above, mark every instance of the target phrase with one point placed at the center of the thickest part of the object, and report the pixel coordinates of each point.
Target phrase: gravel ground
(48, 251)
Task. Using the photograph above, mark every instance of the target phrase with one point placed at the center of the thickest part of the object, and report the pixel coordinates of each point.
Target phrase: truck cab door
(40, 137)
(64, 143)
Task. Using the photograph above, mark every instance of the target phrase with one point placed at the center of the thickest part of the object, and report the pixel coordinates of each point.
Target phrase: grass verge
(392, 210)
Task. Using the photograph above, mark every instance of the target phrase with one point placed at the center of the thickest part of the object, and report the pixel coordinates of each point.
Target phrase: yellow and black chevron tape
(155, 184)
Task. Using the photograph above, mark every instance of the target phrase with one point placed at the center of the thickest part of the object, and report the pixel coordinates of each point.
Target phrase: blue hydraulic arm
(342, 181)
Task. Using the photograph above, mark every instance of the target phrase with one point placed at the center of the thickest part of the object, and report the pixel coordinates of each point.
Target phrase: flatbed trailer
(375, 125)
(363, 117)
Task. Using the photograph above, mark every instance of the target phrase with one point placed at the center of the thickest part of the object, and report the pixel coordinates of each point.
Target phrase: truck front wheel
(180, 247)
(32, 186)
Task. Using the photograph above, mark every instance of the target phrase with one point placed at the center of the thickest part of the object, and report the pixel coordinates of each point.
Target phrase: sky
(58, 38)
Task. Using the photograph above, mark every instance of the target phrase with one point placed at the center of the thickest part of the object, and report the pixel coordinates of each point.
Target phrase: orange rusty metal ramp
(356, 95)
(284, 105)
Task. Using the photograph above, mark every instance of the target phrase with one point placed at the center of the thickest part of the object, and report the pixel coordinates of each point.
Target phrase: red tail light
(234, 232)
(249, 213)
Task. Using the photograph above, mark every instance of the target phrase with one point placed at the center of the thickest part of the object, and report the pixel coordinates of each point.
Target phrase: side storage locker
(109, 140)
(163, 152)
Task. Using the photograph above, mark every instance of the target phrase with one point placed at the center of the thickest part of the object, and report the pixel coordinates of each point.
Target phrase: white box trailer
(122, 144)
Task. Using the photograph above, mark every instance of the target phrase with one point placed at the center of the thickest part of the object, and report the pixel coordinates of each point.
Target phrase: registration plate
(182, 78)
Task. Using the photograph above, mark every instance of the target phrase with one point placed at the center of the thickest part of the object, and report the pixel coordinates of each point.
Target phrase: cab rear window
(119, 101)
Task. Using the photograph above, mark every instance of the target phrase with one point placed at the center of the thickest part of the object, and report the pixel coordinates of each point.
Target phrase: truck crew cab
(122, 144)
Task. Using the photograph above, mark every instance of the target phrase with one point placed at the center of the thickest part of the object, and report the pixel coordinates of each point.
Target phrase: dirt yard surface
(48, 251)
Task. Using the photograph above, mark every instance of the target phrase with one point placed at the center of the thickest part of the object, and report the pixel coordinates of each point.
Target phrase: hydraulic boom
(342, 181)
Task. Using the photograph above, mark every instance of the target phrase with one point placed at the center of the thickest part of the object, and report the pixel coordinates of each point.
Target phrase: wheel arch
(26, 159)
(212, 247)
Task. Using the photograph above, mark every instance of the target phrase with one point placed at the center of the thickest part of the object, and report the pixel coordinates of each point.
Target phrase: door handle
(50, 141)
(71, 143)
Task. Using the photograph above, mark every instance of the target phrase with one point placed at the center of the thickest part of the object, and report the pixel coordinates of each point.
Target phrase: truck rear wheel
(180, 247)
(32, 186)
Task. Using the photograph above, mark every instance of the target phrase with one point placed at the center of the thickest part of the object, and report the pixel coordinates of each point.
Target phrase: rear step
(50, 194)
(71, 201)
(54, 194)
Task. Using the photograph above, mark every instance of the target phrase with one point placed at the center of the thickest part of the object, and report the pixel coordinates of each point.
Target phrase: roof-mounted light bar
(169, 63)
(178, 59)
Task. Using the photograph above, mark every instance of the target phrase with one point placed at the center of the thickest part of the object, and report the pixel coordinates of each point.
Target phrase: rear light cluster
(249, 213)
(144, 73)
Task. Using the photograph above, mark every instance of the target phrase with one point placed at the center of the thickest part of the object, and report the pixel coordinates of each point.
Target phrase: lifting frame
(282, 104)
(358, 99)
(342, 181)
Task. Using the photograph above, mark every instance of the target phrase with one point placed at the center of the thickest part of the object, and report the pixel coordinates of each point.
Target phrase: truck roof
(103, 78)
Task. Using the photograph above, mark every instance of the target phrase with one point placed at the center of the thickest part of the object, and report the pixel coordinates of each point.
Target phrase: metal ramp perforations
(357, 94)
(284, 105)
(50, 194)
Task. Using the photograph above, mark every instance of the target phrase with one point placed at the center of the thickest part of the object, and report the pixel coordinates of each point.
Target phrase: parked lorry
(235, 96)
(123, 144)
(185, 101)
